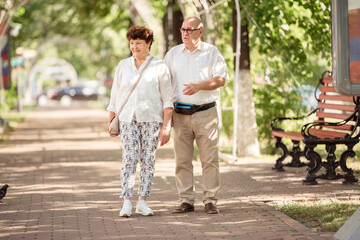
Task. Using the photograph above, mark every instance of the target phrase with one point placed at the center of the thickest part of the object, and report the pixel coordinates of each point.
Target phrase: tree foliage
(291, 47)
(292, 33)
(95, 23)
(290, 43)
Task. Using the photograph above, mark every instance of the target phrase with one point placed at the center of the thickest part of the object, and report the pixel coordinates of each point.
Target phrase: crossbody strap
(133, 87)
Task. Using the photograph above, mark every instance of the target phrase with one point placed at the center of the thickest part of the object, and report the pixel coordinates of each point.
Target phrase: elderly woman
(146, 118)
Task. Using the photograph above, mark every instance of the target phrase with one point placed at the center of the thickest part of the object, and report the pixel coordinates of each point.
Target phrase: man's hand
(191, 88)
(211, 84)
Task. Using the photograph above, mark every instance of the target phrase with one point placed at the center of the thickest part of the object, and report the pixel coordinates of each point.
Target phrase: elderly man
(198, 70)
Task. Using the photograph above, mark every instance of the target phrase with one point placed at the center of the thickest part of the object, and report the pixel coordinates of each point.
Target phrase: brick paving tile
(64, 178)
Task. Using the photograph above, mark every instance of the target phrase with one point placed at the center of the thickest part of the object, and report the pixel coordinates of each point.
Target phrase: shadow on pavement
(64, 177)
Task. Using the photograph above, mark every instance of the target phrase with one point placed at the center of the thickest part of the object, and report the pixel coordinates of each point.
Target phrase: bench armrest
(274, 123)
(305, 129)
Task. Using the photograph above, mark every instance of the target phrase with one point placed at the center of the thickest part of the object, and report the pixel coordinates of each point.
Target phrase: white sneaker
(126, 209)
(143, 209)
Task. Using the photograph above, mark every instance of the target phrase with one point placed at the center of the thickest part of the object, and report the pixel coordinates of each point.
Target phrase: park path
(63, 171)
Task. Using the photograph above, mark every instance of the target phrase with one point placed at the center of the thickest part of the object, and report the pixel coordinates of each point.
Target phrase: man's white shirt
(204, 63)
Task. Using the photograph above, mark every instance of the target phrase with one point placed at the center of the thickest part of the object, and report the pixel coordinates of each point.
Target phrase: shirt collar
(147, 57)
(132, 60)
(199, 48)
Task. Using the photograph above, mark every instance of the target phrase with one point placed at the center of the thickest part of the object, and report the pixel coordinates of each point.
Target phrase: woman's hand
(164, 135)
(111, 135)
(166, 128)
(111, 117)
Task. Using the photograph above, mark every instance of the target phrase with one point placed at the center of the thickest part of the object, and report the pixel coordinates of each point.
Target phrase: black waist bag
(189, 109)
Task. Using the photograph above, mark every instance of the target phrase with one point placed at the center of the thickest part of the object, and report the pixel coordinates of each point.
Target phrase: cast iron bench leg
(330, 165)
(314, 165)
(278, 165)
(296, 153)
(349, 176)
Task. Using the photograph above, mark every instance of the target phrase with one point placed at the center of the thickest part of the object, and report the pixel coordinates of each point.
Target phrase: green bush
(10, 98)
(271, 102)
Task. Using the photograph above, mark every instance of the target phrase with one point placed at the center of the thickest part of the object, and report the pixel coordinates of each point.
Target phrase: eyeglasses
(188, 31)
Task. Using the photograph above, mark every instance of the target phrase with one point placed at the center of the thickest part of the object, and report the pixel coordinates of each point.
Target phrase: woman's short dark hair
(137, 32)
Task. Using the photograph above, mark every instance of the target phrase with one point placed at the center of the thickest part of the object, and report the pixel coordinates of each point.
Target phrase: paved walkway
(64, 184)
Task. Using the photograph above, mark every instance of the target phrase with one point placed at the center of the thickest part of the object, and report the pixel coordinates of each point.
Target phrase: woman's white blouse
(152, 94)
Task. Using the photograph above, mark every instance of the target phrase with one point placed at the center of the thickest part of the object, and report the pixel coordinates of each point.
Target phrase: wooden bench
(337, 123)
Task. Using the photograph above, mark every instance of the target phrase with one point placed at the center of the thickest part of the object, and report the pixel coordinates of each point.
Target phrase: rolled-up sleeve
(114, 90)
(219, 66)
(165, 86)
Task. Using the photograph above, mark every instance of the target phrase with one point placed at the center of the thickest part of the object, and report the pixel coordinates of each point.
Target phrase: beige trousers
(203, 128)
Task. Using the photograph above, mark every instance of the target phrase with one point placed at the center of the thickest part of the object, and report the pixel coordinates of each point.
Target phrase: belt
(189, 108)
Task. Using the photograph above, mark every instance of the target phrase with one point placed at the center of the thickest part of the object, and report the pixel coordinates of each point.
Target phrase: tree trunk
(147, 13)
(247, 142)
(178, 19)
(208, 18)
(143, 13)
(172, 23)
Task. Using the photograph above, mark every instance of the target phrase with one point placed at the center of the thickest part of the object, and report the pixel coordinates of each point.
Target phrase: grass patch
(324, 216)
(354, 165)
(196, 153)
(97, 104)
(13, 119)
(224, 149)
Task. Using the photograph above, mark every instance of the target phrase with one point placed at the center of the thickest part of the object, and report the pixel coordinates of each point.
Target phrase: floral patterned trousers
(139, 142)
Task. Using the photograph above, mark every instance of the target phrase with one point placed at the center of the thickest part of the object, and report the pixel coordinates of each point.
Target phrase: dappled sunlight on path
(64, 177)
